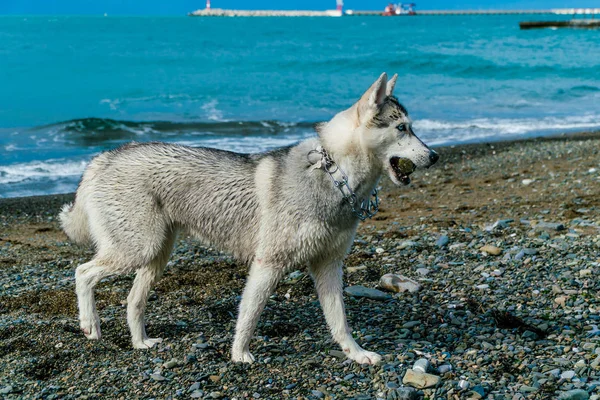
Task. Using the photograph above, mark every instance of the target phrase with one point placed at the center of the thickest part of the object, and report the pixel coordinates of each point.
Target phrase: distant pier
(217, 12)
(559, 11)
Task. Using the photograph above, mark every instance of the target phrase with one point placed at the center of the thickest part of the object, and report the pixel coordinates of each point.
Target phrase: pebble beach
(499, 241)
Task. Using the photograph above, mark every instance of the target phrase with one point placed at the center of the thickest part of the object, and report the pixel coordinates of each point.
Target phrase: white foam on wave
(40, 171)
(212, 112)
(247, 144)
(441, 132)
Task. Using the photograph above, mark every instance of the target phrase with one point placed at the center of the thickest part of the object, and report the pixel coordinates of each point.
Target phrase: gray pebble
(568, 375)
(157, 377)
(575, 394)
(442, 241)
(361, 291)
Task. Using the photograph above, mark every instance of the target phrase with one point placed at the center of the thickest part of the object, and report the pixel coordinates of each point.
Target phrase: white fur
(273, 210)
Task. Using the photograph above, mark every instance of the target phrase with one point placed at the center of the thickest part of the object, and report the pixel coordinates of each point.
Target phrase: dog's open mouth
(402, 168)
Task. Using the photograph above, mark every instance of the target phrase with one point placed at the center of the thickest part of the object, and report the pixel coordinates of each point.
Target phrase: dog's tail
(74, 221)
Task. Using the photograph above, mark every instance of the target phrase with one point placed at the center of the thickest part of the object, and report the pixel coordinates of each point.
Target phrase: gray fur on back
(137, 195)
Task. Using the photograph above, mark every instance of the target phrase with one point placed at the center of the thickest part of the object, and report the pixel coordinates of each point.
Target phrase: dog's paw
(242, 356)
(365, 357)
(90, 328)
(146, 343)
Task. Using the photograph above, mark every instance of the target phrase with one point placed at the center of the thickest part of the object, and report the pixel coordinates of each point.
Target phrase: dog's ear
(373, 97)
(389, 89)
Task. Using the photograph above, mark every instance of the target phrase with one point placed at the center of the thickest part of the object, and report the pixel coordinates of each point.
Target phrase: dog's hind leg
(329, 285)
(262, 280)
(145, 278)
(87, 277)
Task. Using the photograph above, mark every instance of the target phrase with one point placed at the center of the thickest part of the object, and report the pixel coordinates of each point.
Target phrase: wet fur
(273, 210)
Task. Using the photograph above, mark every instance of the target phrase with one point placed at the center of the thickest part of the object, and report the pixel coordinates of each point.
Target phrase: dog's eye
(402, 127)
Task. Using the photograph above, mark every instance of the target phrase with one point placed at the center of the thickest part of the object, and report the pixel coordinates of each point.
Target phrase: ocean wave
(97, 131)
(40, 171)
(446, 132)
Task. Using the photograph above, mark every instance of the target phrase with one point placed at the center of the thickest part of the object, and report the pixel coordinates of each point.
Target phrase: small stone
(6, 390)
(457, 246)
(406, 393)
(442, 241)
(391, 385)
(529, 335)
(157, 377)
(561, 300)
(361, 291)
(483, 286)
(379, 250)
(351, 270)
(575, 394)
(492, 250)
(294, 277)
(214, 378)
(406, 244)
(349, 377)
(478, 392)
(585, 272)
(318, 394)
(215, 395)
(421, 365)
(527, 182)
(194, 386)
(463, 384)
(423, 271)
(444, 368)
(197, 394)
(568, 375)
(399, 283)
(554, 372)
(256, 395)
(549, 226)
(420, 380)
(556, 289)
(411, 324)
(337, 354)
(528, 389)
(170, 364)
(499, 225)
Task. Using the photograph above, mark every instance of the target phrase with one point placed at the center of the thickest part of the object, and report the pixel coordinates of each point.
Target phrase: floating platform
(217, 12)
(574, 23)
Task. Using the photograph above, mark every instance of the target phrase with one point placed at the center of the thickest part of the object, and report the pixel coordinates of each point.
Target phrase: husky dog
(290, 208)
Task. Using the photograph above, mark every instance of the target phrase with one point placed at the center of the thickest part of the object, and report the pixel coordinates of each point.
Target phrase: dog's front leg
(328, 282)
(262, 280)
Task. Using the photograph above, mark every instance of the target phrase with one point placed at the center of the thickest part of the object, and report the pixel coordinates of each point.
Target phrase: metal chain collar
(368, 207)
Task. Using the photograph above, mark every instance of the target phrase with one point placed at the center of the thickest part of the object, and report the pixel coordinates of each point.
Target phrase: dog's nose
(433, 157)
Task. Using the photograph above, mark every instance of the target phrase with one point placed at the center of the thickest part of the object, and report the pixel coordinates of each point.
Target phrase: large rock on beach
(399, 284)
(361, 291)
(492, 250)
(420, 380)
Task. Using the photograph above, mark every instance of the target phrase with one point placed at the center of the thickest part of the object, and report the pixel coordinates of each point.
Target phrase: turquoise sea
(71, 87)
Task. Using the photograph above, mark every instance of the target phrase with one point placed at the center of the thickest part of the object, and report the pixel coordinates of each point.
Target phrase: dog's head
(380, 125)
